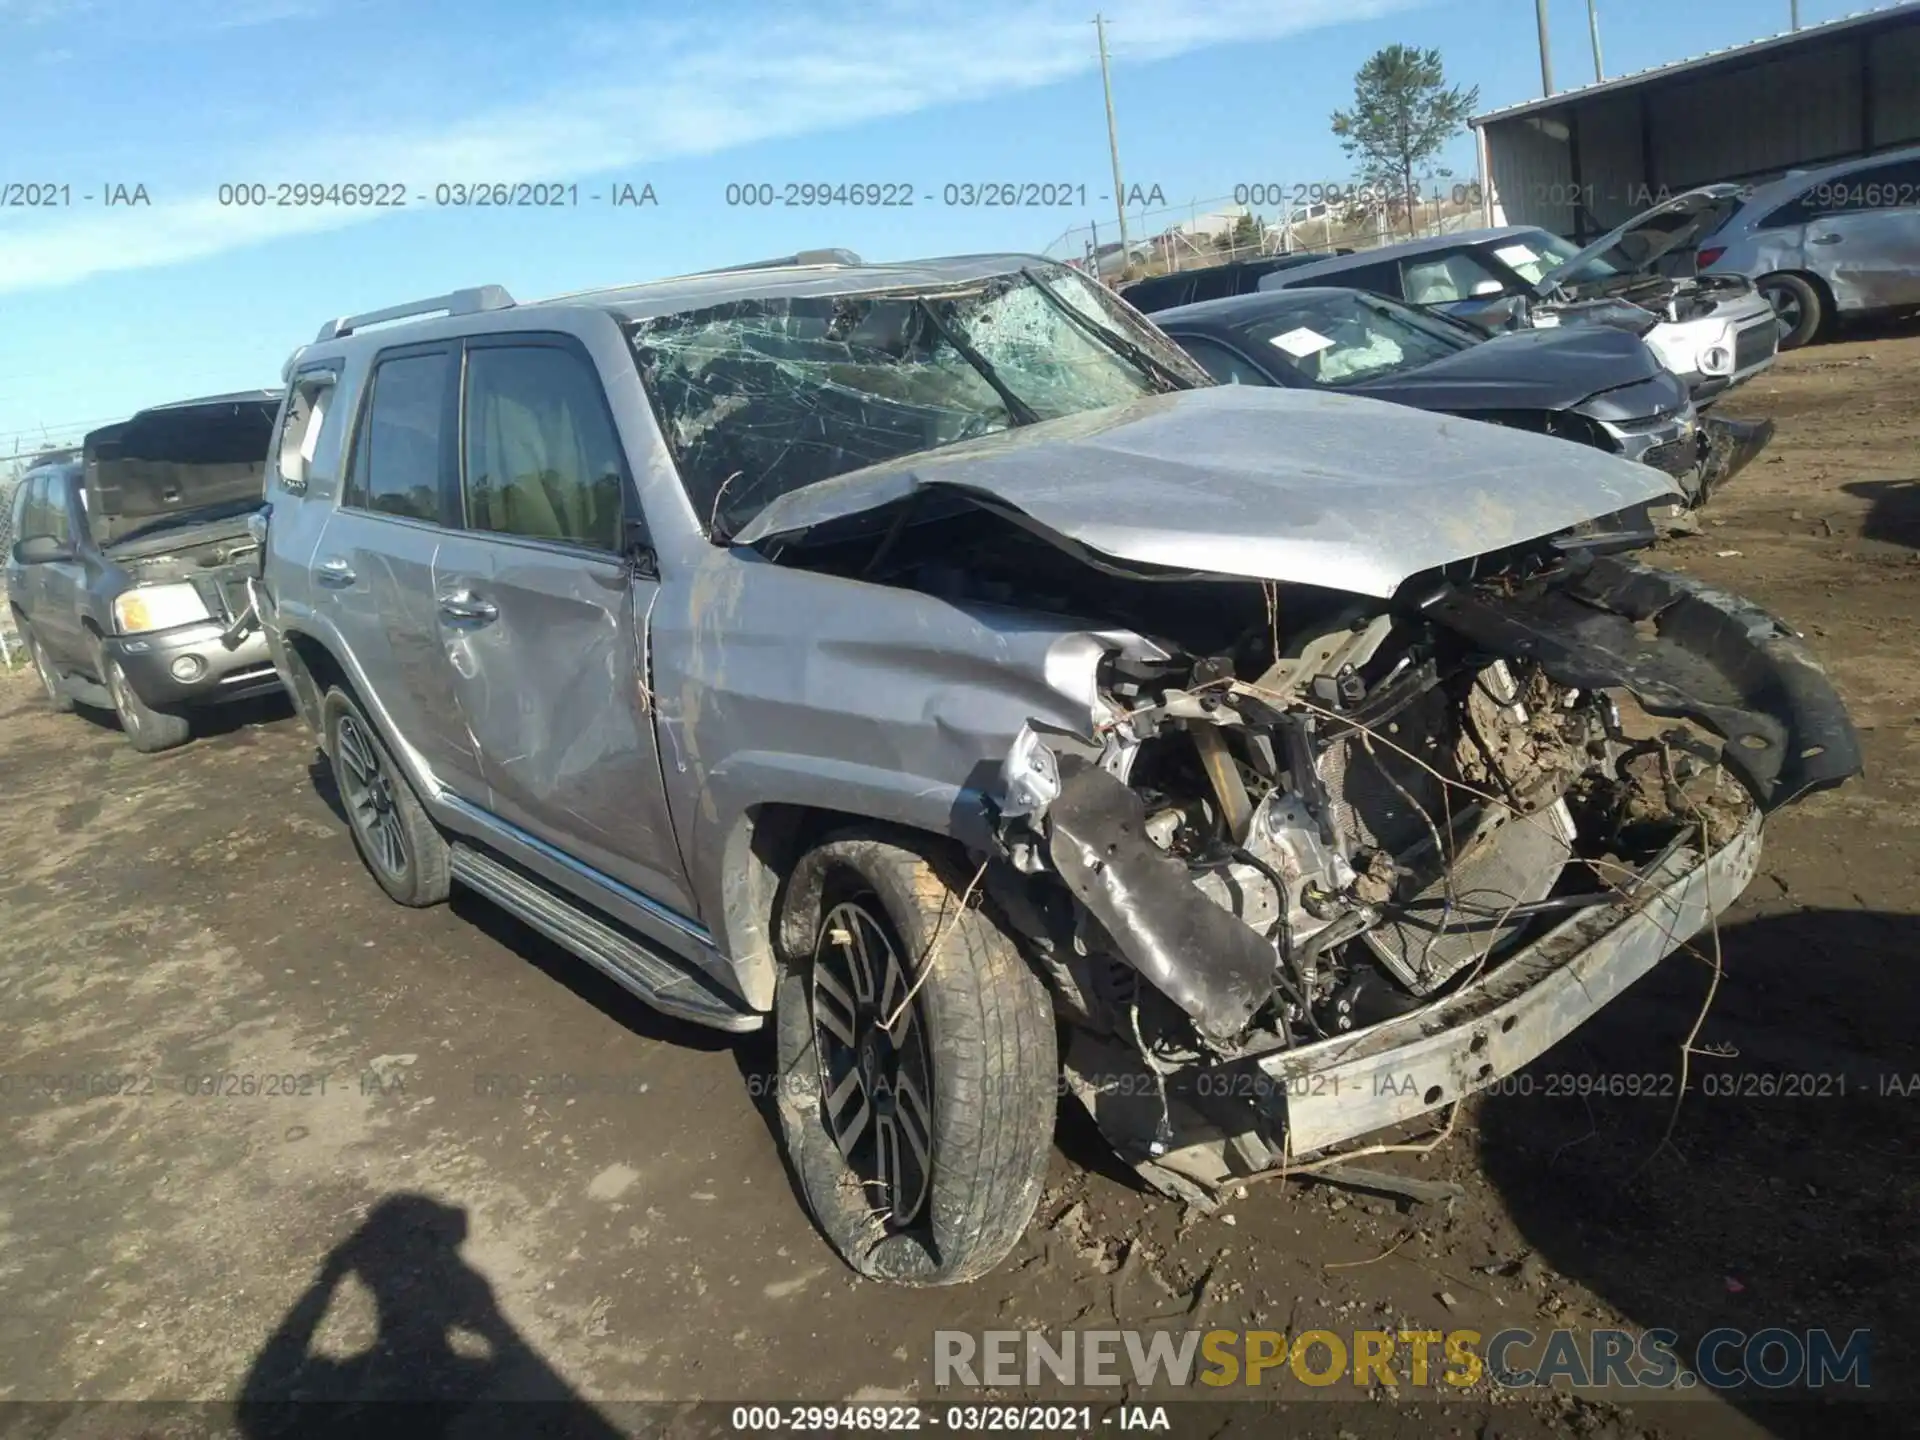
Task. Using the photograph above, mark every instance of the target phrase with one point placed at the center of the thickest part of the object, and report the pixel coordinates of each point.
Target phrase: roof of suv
(1771, 194)
(797, 276)
(691, 292)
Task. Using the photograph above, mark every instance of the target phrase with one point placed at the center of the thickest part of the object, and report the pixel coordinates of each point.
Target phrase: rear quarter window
(1381, 279)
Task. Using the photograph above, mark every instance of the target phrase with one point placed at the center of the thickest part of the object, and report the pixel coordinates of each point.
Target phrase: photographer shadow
(444, 1361)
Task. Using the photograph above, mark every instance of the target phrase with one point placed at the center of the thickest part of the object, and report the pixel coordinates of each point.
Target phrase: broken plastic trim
(1199, 955)
(1682, 649)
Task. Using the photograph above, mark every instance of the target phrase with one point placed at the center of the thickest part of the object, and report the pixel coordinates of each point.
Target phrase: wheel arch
(1829, 302)
(743, 869)
(317, 666)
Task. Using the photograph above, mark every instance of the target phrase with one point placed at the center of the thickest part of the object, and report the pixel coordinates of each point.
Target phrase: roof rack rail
(458, 302)
(804, 257)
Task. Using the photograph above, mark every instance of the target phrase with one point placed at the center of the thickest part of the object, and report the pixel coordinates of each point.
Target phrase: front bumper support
(1238, 1119)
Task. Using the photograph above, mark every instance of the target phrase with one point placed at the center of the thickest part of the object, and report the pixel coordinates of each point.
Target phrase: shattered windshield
(762, 396)
(1340, 337)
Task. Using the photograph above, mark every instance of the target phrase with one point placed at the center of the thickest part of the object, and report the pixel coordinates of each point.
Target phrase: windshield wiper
(1018, 410)
(1164, 377)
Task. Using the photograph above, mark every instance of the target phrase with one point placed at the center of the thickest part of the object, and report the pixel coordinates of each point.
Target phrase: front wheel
(148, 728)
(57, 696)
(917, 1080)
(1797, 305)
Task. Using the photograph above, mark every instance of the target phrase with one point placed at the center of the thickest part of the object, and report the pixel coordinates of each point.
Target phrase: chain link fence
(11, 650)
(1258, 221)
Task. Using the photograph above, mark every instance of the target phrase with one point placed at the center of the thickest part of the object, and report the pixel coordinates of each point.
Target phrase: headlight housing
(158, 607)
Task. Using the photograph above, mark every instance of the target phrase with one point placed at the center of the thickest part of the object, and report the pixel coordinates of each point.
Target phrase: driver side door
(543, 607)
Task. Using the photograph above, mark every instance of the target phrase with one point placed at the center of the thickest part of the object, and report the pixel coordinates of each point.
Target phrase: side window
(1380, 279)
(1212, 283)
(1893, 186)
(1796, 211)
(396, 462)
(1221, 363)
(309, 409)
(542, 459)
(1443, 279)
(30, 509)
(59, 515)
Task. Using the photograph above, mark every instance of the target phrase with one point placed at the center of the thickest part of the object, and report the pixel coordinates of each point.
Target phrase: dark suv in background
(1214, 282)
(127, 575)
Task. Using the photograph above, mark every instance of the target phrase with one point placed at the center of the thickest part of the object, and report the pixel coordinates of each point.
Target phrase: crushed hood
(1295, 486)
(1636, 247)
(1551, 369)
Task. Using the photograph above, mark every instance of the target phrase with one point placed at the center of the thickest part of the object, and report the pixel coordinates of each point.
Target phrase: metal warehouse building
(1582, 161)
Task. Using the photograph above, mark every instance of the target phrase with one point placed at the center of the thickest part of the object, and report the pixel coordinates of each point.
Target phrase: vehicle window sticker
(1301, 342)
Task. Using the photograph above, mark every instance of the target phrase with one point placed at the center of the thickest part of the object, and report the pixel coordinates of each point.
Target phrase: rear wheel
(148, 728)
(917, 1085)
(49, 677)
(392, 830)
(1798, 305)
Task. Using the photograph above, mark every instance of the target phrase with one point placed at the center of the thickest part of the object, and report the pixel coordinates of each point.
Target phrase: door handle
(465, 605)
(336, 573)
(1827, 239)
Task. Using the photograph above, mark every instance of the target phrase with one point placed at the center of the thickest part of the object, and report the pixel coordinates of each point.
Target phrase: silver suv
(928, 662)
(1840, 240)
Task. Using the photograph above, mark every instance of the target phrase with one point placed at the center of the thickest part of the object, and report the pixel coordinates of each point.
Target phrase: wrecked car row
(929, 664)
(1588, 383)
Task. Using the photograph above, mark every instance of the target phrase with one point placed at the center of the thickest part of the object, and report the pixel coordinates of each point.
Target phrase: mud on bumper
(1235, 1120)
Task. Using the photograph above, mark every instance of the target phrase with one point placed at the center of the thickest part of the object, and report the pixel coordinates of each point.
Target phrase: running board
(657, 979)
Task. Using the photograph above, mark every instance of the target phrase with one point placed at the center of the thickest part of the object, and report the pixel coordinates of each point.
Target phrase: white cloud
(695, 88)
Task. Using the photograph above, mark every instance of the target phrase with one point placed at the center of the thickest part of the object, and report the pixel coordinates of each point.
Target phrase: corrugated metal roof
(1786, 40)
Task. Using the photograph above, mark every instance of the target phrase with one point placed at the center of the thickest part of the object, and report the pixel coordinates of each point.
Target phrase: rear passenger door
(60, 584)
(372, 570)
(1863, 234)
(23, 581)
(544, 617)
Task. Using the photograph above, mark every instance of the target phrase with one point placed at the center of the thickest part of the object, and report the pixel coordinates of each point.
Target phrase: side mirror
(41, 550)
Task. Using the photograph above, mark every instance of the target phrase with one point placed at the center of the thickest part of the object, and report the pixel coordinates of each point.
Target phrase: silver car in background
(1840, 240)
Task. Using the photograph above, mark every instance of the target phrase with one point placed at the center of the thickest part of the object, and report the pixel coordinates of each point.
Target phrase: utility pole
(1113, 140)
(1593, 29)
(1546, 64)
(1796, 13)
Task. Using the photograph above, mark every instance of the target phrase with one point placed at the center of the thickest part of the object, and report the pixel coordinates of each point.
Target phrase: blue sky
(104, 310)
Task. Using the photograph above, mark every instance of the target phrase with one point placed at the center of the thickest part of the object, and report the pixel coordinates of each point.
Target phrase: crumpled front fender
(1681, 648)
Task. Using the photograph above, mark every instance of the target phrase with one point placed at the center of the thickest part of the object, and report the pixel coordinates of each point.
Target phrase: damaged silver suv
(927, 661)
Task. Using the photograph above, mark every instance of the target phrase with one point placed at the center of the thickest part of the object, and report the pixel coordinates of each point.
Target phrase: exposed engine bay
(1375, 811)
(1294, 824)
(216, 558)
(1297, 812)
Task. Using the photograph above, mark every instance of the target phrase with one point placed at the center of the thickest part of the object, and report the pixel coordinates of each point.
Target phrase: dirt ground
(436, 1121)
